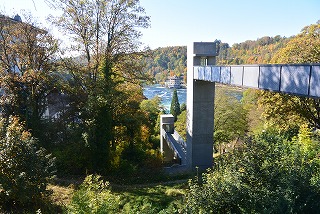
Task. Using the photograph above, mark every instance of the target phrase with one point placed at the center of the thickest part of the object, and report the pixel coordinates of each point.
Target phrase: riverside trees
(175, 105)
(285, 110)
(106, 34)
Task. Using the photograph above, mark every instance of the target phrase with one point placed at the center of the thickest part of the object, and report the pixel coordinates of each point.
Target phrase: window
(204, 61)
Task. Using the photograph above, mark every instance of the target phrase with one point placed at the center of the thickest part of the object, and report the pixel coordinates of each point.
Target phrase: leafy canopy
(25, 169)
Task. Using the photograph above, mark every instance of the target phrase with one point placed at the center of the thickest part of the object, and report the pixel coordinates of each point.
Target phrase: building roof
(16, 18)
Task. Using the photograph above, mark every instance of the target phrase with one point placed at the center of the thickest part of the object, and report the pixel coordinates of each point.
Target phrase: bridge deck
(299, 79)
(176, 143)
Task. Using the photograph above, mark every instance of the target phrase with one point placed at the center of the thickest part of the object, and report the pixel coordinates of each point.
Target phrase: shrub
(94, 196)
(268, 174)
(25, 169)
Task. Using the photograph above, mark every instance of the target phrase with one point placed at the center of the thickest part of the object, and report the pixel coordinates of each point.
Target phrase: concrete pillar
(200, 107)
(166, 125)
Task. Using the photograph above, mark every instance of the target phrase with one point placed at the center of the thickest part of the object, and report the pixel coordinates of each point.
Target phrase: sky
(180, 22)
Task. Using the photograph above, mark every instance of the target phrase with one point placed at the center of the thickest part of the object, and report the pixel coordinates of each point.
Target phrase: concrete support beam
(200, 107)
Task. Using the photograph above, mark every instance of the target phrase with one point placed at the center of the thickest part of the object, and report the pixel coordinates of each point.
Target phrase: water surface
(165, 94)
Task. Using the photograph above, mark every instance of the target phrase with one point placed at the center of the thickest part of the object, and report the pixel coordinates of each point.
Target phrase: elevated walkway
(298, 79)
(178, 146)
(172, 145)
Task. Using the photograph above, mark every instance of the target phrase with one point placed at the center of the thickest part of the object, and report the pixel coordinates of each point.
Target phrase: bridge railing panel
(236, 75)
(251, 76)
(215, 77)
(225, 75)
(270, 78)
(315, 82)
(201, 73)
(207, 73)
(295, 79)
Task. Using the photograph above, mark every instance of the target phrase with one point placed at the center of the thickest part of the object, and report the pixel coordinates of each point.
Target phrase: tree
(180, 124)
(268, 174)
(230, 118)
(175, 105)
(283, 109)
(25, 169)
(94, 196)
(27, 77)
(106, 35)
(152, 108)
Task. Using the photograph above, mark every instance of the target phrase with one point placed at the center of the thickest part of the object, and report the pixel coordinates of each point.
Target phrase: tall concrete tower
(200, 107)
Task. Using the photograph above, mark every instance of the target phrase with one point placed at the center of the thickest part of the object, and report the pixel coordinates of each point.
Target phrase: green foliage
(180, 125)
(250, 52)
(175, 105)
(25, 169)
(94, 196)
(104, 117)
(287, 110)
(254, 111)
(267, 174)
(183, 107)
(152, 109)
(230, 117)
(27, 71)
(164, 198)
(163, 61)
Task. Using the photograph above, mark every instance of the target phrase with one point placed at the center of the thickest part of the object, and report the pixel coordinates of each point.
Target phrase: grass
(61, 195)
(154, 198)
(142, 198)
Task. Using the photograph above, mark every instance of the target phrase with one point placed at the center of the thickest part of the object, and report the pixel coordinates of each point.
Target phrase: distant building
(7, 19)
(173, 82)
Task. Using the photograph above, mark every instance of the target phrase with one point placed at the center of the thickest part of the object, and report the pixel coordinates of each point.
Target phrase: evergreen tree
(175, 105)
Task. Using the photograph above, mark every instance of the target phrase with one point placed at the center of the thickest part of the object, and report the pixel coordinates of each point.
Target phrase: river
(165, 94)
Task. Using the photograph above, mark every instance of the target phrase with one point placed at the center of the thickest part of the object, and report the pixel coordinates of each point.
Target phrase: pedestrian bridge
(297, 79)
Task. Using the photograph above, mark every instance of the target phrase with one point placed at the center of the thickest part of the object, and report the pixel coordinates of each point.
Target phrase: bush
(268, 174)
(25, 169)
(94, 196)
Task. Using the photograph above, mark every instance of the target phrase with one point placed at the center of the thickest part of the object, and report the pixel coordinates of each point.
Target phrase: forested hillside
(259, 51)
(169, 61)
(163, 62)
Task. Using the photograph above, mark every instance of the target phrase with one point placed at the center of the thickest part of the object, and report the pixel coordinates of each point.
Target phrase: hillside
(167, 61)
(259, 51)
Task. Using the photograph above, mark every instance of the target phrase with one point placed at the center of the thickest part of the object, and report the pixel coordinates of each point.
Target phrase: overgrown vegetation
(26, 169)
(88, 115)
(268, 174)
(96, 196)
